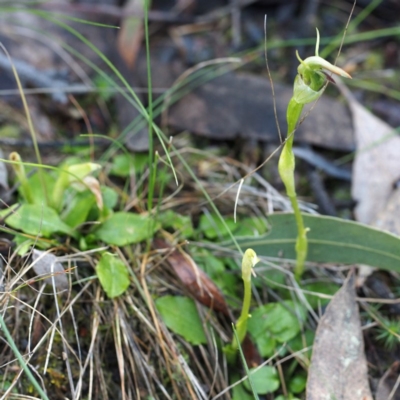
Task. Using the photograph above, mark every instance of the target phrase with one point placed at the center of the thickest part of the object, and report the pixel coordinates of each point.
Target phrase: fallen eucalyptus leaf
(338, 367)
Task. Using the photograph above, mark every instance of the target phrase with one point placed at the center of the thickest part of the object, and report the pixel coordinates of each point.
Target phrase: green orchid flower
(314, 73)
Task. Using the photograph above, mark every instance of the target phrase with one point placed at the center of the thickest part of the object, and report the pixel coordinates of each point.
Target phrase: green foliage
(275, 323)
(123, 165)
(36, 220)
(330, 240)
(265, 380)
(239, 392)
(212, 227)
(301, 341)
(309, 85)
(217, 269)
(180, 224)
(389, 333)
(181, 316)
(297, 384)
(328, 288)
(78, 208)
(124, 228)
(35, 182)
(103, 86)
(113, 275)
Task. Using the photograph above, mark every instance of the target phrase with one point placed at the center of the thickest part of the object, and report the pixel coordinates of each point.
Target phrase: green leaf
(301, 341)
(212, 226)
(35, 183)
(37, 220)
(113, 275)
(265, 380)
(77, 172)
(282, 321)
(266, 344)
(110, 197)
(78, 208)
(124, 228)
(251, 226)
(124, 165)
(297, 384)
(178, 222)
(181, 316)
(239, 392)
(329, 240)
(328, 288)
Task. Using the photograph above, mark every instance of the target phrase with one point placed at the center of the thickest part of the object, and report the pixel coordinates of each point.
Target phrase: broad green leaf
(329, 240)
(181, 316)
(239, 392)
(36, 183)
(37, 220)
(78, 208)
(265, 380)
(266, 344)
(282, 321)
(123, 165)
(113, 275)
(124, 228)
(110, 197)
(297, 383)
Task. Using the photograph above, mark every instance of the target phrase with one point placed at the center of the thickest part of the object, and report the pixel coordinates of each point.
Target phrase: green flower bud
(312, 76)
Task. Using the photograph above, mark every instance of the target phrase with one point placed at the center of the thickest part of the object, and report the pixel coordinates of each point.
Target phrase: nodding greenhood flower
(313, 76)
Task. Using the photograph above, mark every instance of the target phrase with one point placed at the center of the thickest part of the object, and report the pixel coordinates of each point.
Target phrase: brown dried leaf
(338, 365)
(196, 281)
(94, 186)
(388, 382)
(131, 33)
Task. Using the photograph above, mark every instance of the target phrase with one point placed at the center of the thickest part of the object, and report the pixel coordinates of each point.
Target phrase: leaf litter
(338, 367)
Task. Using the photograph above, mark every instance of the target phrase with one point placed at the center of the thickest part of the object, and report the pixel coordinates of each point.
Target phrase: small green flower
(313, 76)
(310, 82)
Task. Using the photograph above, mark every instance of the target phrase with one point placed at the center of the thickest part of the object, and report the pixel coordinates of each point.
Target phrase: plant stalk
(286, 169)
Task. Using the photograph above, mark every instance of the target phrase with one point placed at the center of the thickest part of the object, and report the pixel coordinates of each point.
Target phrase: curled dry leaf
(338, 365)
(46, 265)
(196, 281)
